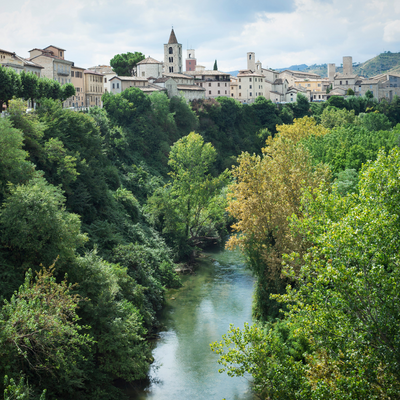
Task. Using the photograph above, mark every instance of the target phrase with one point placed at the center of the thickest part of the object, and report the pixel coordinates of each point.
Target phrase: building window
(240, 86)
(117, 85)
(113, 85)
(171, 69)
(170, 50)
(209, 84)
(218, 84)
(72, 74)
(225, 84)
(340, 82)
(249, 79)
(143, 72)
(240, 79)
(249, 56)
(319, 85)
(171, 59)
(190, 63)
(250, 87)
(105, 80)
(347, 82)
(209, 92)
(226, 92)
(219, 92)
(251, 94)
(240, 94)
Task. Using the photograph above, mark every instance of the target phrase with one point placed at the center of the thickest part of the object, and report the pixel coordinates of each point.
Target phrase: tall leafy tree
(29, 83)
(267, 191)
(124, 63)
(10, 85)
(191, 206)
(67, 91)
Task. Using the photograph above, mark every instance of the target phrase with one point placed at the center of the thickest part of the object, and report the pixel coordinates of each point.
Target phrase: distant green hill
(383, 63)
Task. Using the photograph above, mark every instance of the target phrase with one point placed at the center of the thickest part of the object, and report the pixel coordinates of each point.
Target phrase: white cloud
(280, 32)
(392, 32)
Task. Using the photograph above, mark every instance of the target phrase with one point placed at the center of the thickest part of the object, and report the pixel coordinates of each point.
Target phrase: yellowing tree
(267, 191)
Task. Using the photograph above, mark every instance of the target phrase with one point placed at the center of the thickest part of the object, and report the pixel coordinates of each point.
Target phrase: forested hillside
(97, 207)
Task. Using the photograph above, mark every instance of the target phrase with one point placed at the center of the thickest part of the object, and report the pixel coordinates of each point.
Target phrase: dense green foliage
(28, 86)
(111, 197)
(67, 195)
(190, 210)
(338, 334)
(123, 64)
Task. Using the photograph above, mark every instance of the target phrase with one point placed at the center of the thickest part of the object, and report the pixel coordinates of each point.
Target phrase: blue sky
(280, 32)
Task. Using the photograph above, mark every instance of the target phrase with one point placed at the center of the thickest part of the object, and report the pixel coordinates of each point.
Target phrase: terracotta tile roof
(151, 88)
(88, 71)
(6, 51)
(149, 60)
(206, 72)
(104, 69)
(191, 87)
(301, 72)
(182, 76)
(58, 48)
(161, 80)
(29, 62)
(128, 78)
(370, 82)
(172, 38)
(247, 72)
(341, 76)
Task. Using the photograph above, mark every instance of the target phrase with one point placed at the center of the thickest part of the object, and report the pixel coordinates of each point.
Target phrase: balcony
(62, 73)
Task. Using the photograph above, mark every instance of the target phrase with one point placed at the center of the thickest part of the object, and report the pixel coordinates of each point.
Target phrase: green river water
(195, 315)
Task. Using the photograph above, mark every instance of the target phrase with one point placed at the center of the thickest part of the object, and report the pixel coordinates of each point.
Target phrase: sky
(281, 33)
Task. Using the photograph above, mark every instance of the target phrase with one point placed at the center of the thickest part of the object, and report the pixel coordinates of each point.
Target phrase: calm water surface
(185, 368)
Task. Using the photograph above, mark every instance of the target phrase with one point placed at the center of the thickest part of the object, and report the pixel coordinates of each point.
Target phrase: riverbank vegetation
(97, 207)
(320, 228)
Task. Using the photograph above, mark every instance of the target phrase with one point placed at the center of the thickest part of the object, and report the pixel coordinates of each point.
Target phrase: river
(196, 315)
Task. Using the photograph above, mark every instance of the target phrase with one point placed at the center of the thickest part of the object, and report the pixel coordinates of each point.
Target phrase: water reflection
(200, 313)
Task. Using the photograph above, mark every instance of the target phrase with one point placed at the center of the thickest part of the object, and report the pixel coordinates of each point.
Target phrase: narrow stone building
(172, 55)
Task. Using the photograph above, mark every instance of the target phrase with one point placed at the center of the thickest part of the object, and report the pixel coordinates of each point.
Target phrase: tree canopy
(123, 64)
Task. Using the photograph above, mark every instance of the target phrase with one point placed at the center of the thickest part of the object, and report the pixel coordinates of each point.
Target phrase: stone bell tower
(173, 55)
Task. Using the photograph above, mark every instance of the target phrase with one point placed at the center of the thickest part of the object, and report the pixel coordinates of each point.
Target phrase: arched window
(170, 50)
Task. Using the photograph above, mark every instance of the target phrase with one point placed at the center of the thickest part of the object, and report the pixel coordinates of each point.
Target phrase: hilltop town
(196, 82)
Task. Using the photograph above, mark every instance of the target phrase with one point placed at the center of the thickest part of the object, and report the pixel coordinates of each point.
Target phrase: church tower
(173, 55)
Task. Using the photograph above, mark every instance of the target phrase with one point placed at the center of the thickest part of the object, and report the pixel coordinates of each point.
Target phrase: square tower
(191, 60)
(347, 65)
(173, 55)
(251, 61)
(331, 71)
